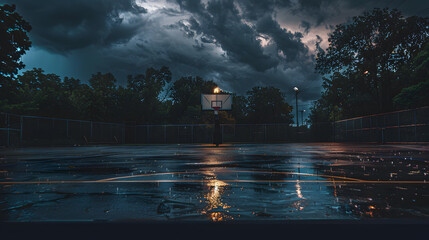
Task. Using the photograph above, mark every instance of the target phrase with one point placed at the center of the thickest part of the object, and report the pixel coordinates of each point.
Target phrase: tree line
(378, 62)
(147, 98)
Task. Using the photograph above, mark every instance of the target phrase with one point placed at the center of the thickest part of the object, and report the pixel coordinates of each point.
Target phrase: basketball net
(216, 110)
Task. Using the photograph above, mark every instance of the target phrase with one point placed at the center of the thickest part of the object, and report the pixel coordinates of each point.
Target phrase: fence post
(222, 132)
(265, 132)
(8, 129)
(371, 131)
(20, 131)
(165, 133)
(192, 133)
(147, 133)
(234, 130)
(52, 134)
(346, 130)
(415, 125)
(91, 130)
(124, 133)
(384, 127)
(67, 129)
(399, 130)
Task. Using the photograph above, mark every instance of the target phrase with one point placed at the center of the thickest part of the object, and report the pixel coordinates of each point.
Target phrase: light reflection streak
(335, 188)
(298, 205)
(216, 209)
(215, 206)
(298, 190)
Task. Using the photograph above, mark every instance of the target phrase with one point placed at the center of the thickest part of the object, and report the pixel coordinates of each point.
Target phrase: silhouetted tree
(363, 61)
(268, 105)
(43, 92)
(14, 42)
(239, 110)
(147, 90)
(186, 95)
(103, 97)
(417, 73)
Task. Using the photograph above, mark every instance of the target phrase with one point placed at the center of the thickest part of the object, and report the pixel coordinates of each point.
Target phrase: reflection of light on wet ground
(215, 206)
(335, 189)
(298, 190)
(298, 205)
(212, 156)
(274, 182)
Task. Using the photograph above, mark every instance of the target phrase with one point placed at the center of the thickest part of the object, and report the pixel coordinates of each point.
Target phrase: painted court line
(228, 171)
(223, 180)
(122, 179)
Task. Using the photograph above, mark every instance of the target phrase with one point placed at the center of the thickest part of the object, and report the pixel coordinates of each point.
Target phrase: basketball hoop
(209, 102)
(216, 102)
(216, 110)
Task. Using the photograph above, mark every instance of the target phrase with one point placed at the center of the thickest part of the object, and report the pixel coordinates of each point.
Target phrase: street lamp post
(296, 98)
(302, 117)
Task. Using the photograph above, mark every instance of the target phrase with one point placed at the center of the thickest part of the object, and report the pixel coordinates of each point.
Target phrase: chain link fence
(19, 130)
(401, 126)
(10, 129)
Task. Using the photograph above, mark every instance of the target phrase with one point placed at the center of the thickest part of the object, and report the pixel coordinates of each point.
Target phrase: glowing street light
(216, 90)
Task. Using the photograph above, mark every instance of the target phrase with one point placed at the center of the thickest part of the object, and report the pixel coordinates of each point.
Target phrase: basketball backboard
(219, 102)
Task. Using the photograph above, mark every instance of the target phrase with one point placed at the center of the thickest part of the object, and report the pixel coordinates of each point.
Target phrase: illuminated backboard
(223, 102)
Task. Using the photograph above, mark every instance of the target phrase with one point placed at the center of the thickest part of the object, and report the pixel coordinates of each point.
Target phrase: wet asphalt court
(205, 183)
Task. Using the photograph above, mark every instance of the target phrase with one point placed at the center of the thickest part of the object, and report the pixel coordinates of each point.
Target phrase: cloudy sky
(238, 44)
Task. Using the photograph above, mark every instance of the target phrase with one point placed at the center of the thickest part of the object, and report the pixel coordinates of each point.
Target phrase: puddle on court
(235, 182)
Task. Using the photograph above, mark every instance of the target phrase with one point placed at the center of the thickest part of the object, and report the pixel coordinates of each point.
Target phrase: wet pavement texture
(205, 183)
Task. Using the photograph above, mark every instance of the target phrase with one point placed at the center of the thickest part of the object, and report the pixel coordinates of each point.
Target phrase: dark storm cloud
(239, 44)
(289, 43)
(306, 26)
(189, 27)
(62, 26)
(254, 9)
(322, 11)
(220, 20)
(315, 8)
